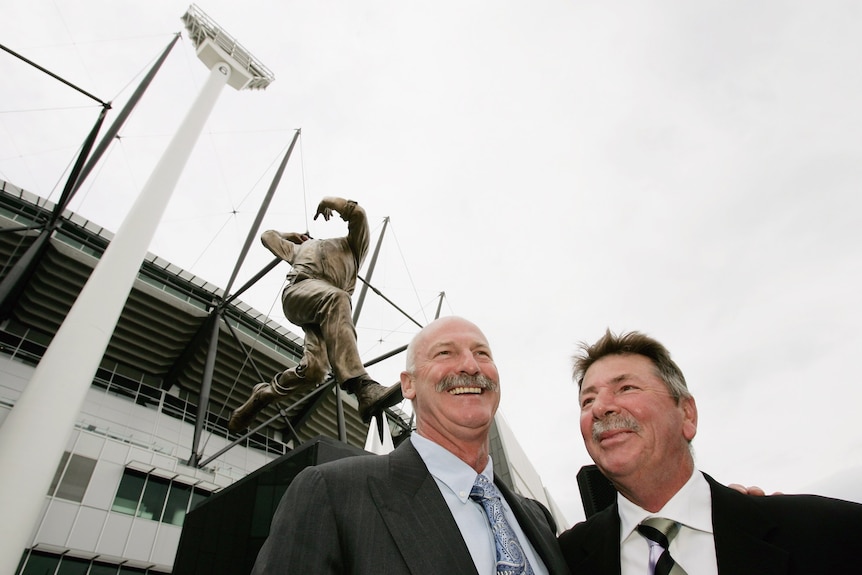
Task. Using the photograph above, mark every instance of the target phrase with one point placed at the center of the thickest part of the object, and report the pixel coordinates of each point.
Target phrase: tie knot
(659, 530)
(483, 488)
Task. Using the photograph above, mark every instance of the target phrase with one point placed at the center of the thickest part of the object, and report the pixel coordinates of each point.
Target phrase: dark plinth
(597, 492)
(225, 532)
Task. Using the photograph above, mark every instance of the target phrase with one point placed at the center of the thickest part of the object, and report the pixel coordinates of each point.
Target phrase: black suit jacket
(773, 535)
(382, 514)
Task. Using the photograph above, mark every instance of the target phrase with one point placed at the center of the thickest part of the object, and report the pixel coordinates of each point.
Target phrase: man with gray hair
(637, 421)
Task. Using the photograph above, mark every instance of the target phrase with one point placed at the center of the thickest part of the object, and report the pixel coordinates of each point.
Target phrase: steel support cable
(221, 305)
(247, 353)
(52, 74)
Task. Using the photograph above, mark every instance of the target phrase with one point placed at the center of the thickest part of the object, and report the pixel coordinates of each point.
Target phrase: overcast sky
(687, 169)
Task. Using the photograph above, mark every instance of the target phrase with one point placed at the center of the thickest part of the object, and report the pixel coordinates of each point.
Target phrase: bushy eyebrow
(615, 381)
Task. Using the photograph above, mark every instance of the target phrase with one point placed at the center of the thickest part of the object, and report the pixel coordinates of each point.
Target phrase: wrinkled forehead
(449, 331)
(616, 368)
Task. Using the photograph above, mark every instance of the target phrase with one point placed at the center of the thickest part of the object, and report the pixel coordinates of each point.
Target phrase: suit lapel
(417, 516)
(740, 531)
(536, 529)
(600, 544)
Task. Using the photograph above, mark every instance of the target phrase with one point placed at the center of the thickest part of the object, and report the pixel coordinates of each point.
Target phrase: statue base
(225, 532)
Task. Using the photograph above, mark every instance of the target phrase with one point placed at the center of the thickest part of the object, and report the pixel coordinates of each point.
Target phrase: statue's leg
(339, 335)
(262, 395)
(311, 369)
(302, 378)
(326, 311)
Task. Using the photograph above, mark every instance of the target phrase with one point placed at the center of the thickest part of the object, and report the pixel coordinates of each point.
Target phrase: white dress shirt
(693, 548)
(455, 479)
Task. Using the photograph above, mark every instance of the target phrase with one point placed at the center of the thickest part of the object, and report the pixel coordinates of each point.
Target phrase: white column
(37, 430)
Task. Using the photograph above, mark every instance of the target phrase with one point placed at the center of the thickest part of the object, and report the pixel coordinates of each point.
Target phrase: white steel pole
(36, 431)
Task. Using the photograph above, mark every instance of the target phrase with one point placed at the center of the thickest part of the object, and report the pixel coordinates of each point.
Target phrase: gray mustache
(612, 422)
(464, 380)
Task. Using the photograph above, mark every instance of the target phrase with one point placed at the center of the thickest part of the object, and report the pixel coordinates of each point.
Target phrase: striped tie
(510, 555)
(659, 532)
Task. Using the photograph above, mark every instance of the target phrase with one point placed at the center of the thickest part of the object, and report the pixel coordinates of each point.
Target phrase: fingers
(753, 490)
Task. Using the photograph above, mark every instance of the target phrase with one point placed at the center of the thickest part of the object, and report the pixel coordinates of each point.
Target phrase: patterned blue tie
(510, 556)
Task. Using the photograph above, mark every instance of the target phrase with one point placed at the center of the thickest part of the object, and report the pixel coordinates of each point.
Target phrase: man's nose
(604, 404)
(468, 363)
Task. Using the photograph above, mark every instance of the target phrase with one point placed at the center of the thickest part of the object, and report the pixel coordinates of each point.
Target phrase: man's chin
(613, 464)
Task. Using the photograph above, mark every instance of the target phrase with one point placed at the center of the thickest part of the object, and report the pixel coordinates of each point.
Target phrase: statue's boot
(373, 397)
(290, 382)
(262, 395)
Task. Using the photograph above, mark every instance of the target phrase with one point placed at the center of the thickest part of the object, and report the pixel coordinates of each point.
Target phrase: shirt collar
(690, 506)
(447, 469)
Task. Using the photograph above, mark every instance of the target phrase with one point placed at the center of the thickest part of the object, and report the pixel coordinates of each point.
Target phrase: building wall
(119, 434)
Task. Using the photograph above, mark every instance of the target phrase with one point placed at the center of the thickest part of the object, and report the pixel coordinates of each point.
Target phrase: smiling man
(637, 420)
(422, 508)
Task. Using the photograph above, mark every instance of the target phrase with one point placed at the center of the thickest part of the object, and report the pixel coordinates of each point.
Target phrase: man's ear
(407, 390)
(689, 411)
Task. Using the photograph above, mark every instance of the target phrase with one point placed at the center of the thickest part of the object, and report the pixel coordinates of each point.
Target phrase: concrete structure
(123, 486)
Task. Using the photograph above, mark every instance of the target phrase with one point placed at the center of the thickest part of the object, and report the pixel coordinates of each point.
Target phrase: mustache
(613, 422)
(479, 380)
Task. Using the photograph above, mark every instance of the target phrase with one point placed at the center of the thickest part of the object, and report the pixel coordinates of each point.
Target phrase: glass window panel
(129, 492)
(153, 501)
(59, 473)
(148, 395)
(40, 564)
(198, 495)
(131, 571)
(178, 502)
(73, 566)
(77, 478)
(103, 569)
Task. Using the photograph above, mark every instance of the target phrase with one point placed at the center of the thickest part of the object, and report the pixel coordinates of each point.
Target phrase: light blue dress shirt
(455, 479)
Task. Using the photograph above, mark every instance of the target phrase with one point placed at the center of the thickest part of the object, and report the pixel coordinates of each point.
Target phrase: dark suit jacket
(777, 534)
(382, 514)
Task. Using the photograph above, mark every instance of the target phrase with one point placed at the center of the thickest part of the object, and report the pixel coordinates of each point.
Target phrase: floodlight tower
(36, 430)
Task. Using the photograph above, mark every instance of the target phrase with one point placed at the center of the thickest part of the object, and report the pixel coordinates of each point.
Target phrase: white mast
(36, 431)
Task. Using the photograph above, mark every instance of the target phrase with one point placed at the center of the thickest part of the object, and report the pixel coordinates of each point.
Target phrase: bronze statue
(317, 298)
